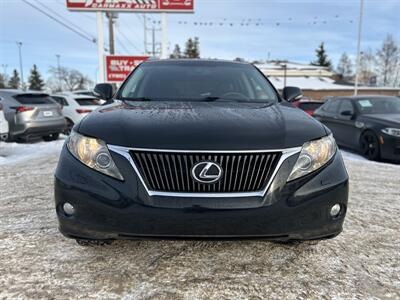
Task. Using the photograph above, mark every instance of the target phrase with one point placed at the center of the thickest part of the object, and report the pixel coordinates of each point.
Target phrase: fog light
(68, 209)
(335, 210)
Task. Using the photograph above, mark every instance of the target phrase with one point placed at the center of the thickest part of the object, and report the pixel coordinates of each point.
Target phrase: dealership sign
(119, 67)
(132, 5)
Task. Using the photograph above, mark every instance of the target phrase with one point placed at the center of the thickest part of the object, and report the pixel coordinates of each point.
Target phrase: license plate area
(47, 113)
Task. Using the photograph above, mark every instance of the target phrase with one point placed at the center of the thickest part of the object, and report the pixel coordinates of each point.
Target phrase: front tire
(68, 130)
(51, 137)
(369, 145)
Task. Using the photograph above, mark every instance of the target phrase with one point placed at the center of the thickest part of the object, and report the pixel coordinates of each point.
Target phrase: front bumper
(106, 208)
(34, 129)
(390, 149)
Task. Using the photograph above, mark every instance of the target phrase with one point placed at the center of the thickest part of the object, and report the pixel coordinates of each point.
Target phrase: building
(316, 82)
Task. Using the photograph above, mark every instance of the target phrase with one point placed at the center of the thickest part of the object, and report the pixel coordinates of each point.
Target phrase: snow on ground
(12, 153)
(37, 262)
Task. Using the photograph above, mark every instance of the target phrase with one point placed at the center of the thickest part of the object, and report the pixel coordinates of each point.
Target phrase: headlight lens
(313, 156)
(392, 131)
(93, 153)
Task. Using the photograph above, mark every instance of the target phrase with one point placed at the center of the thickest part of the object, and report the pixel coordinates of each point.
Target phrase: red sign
(132, 5)
(119, 67)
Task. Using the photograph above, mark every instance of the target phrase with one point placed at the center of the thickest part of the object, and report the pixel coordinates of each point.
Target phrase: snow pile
(12, 153)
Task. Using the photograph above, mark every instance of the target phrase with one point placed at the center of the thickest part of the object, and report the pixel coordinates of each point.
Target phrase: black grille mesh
(171, 172)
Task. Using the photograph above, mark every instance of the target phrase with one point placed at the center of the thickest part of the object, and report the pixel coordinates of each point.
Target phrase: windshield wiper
(210, 98)
(136, 99)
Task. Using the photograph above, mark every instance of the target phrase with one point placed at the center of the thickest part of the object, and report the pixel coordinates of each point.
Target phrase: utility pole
(284, 74)
(111, 16)
(164, 36)
(100, 45)
(359, 46)
(145, 34)
(59, 72)
(153, 34)
(19, 44)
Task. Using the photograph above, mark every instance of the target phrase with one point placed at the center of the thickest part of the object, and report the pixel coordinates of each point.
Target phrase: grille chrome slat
(171, 172)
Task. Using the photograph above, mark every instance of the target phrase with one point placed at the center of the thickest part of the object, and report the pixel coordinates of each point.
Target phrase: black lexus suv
(199, 149)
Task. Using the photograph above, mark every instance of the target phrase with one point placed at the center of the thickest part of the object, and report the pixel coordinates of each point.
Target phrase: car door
(346, 131)
(327, 114)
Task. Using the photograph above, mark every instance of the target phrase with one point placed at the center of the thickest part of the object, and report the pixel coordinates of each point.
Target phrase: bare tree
(345, 67)
(388, 62)
(71, 80)
(366, 73)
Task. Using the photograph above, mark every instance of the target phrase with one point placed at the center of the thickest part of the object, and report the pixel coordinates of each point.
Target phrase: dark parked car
(308, 105)
(369, 124)
(32, 115)
(200, 149)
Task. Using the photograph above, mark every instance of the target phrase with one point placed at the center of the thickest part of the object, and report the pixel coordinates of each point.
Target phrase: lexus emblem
(206, 172)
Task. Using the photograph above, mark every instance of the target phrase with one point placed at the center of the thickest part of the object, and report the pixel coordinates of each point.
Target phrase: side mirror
(292, 93)
(104, 91)
(347, 113)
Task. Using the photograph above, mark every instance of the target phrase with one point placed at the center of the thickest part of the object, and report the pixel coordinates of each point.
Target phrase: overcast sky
(286, 30)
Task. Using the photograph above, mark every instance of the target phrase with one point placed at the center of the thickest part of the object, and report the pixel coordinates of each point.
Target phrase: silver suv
(32, 115)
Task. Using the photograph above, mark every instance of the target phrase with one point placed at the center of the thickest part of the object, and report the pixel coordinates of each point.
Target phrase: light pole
(284, 74)
(19, 44)
(59, 72)
(359, 47)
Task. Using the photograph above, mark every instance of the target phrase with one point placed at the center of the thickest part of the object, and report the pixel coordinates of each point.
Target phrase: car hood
(384, 119)
(202, 125)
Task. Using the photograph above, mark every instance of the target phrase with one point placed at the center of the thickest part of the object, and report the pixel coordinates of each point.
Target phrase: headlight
(93, 153)
(313, 156)
(392, 131)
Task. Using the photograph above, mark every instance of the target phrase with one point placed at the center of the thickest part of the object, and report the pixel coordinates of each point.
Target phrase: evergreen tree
(2, 81)
(345, 66)
(15, 81)
(192, 48)
(322, 58)
(35, 80)
(177, 52)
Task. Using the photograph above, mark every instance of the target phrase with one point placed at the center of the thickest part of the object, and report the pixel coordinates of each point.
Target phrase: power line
(90, 39)
(122, 45)
(128, 40)
(63, 18)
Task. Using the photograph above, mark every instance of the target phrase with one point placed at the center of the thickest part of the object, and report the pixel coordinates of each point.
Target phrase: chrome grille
(171, 171)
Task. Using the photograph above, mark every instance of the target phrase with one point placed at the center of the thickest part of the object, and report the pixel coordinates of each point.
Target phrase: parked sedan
(308, 105)
(3, 124)
(75, 107)
(32, 115)
(369, 124)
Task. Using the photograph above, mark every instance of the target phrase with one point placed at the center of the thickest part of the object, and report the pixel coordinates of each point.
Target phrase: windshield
(386, 105)
(34, 99)
(197, 82)
(87, 101)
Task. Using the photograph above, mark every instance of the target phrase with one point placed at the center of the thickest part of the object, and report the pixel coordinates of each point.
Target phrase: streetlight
(358, 47)
(19, 44)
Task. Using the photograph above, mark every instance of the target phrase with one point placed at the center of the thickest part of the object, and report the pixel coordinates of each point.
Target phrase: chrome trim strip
(286, 153)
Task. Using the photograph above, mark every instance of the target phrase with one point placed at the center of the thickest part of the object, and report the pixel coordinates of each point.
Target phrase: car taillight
(21, 109)
(308, 111)
(83, 111)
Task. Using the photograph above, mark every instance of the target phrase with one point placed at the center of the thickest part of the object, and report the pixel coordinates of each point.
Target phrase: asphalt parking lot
(37, 262)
